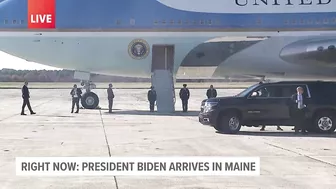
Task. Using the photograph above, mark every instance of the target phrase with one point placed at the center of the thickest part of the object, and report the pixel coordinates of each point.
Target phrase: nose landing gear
(90, 100)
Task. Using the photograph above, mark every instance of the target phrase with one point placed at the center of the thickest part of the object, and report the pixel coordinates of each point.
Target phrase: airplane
(264, 38)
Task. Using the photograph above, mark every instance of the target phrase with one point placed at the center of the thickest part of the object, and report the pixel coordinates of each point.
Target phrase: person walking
(298, 110)
(26, 101)
(76, 95)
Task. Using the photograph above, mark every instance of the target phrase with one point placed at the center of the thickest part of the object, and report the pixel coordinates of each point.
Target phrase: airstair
(163, 82)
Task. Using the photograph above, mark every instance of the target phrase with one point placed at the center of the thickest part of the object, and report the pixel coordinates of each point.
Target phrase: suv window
(278, 91)
(327, 90)
(267, 92)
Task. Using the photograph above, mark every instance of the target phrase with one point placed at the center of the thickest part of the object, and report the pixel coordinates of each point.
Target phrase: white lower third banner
(138, 166)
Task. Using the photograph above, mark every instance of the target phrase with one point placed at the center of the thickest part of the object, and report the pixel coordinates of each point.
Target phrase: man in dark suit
(76, 94)
(184, 95)
(211, 92)
(298, 110)
(151, 96)
(25, 97)
(110, 97)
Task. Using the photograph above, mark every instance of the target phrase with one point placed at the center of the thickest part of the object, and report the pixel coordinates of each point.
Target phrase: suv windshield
(247, 91)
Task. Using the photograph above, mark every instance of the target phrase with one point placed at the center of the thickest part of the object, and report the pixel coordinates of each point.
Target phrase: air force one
(190, 38)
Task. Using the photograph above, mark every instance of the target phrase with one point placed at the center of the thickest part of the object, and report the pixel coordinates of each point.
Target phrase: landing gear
(90, 100)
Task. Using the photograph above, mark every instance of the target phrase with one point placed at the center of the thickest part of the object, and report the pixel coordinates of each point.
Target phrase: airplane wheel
(90, 100)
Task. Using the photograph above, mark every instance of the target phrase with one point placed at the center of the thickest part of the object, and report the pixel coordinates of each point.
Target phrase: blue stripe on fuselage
(149, 14)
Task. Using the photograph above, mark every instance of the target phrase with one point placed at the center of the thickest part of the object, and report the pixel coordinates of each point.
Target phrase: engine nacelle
(313, 52)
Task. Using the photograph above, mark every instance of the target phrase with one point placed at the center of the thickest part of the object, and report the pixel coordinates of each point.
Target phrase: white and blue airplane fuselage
(281, 38)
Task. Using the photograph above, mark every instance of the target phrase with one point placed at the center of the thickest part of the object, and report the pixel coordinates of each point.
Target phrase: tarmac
(287, 160)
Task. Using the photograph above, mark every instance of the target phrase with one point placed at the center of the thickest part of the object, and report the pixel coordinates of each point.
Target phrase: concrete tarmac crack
(108, 145)
(301, 154)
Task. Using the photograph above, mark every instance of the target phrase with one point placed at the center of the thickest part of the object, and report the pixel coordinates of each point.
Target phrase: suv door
(263, 104)
(270, 103)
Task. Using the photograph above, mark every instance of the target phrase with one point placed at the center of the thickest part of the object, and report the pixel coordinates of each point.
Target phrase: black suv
(269, 104)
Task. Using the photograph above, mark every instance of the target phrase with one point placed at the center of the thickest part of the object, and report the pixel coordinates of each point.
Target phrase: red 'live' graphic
(41, 14)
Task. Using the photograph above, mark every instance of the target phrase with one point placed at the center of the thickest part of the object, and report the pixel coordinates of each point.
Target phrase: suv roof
(308, 82)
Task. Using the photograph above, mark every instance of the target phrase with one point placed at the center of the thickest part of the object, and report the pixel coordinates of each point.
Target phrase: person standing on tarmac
(25, 97)
(76, 95)
(298, 110)
(184, 95)
(211, 92)
(151, 98)
(110, 97)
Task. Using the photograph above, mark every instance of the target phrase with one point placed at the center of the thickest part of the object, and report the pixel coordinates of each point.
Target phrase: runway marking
(301, 154)
(108, 145)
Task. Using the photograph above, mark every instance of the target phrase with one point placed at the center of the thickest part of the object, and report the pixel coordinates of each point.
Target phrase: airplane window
(286, 21)
(326, 21)
(155, 22)
(5, 21)
(195, 22)
(172, 22)
(22, 22)
(302, 21)
(201, 22)
(118, 22)
(186, 22)
(163, 22)
(179, 22)
(210, 22)
(14, 21)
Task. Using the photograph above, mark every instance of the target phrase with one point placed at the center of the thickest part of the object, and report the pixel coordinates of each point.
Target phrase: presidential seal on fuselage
(138, 49)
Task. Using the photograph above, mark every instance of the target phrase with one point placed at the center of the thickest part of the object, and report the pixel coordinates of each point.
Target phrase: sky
(12, 62)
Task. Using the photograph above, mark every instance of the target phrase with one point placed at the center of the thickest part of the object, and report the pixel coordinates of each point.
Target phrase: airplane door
(163, 57)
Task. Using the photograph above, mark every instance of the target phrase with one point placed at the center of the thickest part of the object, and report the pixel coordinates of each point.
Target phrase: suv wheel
(229, 124)
(324, 123)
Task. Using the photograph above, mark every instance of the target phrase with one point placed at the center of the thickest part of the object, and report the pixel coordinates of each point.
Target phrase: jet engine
(313, 52)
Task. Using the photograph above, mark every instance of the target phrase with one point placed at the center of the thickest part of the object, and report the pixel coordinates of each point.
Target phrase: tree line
(10, 75)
